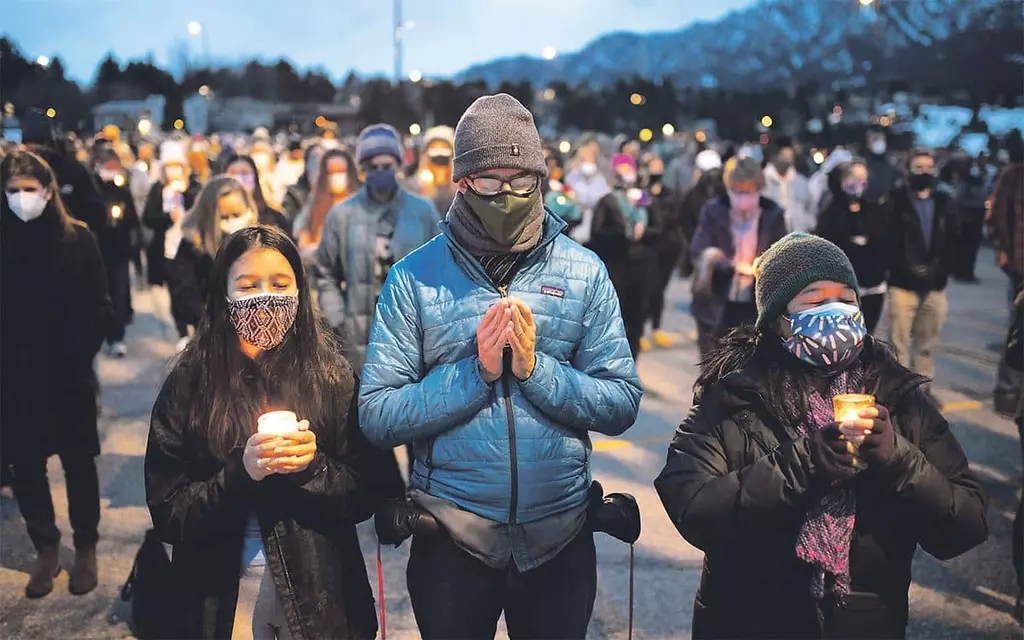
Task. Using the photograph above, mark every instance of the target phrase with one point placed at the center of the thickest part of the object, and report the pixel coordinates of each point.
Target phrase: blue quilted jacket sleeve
(598, 390)
(399, 402)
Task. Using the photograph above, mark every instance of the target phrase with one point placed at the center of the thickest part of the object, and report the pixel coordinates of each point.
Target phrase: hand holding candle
(294, 444)
(847, 408)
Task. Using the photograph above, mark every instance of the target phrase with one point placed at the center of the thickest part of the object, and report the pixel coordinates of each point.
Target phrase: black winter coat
(156, 219)
(188, 276)
(272, 217)
(120, 232)
(913, 265)
(739, 480)
(862, 236)
(78, 190)
(200, 504)
(55, 314)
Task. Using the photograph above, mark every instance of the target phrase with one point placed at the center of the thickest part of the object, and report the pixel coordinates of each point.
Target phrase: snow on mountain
(768, 43)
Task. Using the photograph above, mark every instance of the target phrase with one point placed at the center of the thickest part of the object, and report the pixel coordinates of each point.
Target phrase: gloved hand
(831, 455)
(618, 516)
(396, 520)
(878, 445)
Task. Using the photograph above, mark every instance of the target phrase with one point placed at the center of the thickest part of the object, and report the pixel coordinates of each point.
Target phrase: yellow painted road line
(612, 445)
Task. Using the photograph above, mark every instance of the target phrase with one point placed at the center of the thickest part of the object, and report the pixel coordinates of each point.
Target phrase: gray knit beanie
(791, 264)
(497, 132)
(378, 139)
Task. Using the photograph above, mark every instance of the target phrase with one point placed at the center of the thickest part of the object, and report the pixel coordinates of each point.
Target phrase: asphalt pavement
(969, 597)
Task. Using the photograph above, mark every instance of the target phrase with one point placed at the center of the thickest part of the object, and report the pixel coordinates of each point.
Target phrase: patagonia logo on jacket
(553, 291)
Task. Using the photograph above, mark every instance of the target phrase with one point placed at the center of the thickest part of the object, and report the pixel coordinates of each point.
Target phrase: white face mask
(173, 172)
(877, 147)
(588, 168)
(231, 225)
(108, 175)
(27, 205)
(339, 182)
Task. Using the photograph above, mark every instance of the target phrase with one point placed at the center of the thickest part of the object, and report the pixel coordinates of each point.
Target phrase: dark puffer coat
(200, 504)
(739, 480)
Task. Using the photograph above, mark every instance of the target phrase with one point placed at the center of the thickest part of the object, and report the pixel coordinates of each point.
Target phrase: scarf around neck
(470, 232)
(825, 535)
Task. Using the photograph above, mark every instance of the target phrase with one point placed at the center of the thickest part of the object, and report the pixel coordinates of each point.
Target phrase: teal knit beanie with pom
(791, 264)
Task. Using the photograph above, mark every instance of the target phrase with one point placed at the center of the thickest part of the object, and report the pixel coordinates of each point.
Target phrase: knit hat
(378, 139)
(440, 133)
(172, 152)
(623, 160)
(497, 132)
(708, 160)
(791, 264)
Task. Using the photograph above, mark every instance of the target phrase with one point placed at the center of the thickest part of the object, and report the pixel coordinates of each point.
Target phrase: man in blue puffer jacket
(496, 348)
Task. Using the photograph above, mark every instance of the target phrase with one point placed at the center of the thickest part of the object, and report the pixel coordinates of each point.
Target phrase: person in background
(788, 188)
(681, 175)
(514, 329)
(144, 172)
(923, 232)
(263, 156)
(290, 168)
(860, 229)
(79, 192)
(819, 185)
(882, 173)
(118, 242)
(56, 312)
(1005, 223)
(243, 169)
(733, 231)
(263, 525)
(366, 234)
(170, 198)
(587, 180)
(619, 226)
(665, 236)
(199, 159)
(295, 196)
(709, 186)
(809, 523)
(972, 191)
(337, 179)
(434, 180)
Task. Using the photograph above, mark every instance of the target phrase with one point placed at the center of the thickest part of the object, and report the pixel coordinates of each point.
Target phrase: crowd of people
(482, 299)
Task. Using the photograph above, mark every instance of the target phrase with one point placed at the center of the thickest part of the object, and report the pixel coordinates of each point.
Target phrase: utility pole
(397, 34)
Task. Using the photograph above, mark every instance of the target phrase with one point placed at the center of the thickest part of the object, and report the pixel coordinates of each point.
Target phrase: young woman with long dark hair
(56, 313)
(244, 169)
(809, 517)
(337, 179)
(262, 524)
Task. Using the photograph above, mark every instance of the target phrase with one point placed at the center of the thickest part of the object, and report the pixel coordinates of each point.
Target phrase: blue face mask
(828, 337)
(381, 180)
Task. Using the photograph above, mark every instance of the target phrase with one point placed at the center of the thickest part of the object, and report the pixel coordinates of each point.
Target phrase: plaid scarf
(825, 535)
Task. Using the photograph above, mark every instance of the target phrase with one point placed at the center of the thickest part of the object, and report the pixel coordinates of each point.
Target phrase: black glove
(616, 514)
(398, 519)
(878, 446)
(832, 460)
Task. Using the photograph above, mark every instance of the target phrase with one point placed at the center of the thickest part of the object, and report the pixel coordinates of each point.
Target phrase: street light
(667, 129)
(767, 122)
(549, 53)
(43, 61)
(415, 75)
(195, 28)
(51, 113)
(548, 95)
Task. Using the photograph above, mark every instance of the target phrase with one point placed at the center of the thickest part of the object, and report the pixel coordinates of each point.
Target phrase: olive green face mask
(503, 216)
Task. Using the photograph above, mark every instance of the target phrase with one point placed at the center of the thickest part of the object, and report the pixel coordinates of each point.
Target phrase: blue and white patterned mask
(828, 337)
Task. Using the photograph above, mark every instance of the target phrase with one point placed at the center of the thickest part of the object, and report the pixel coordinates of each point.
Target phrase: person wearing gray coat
(364, 235)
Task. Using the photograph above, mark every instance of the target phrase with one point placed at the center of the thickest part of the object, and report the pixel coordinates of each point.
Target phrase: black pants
(32, 490)
(736, 314)
(454, 595)
(667, 254)
(632, 279)
(119, 286)
(967, 247)
(871, 307)
(1018, 521)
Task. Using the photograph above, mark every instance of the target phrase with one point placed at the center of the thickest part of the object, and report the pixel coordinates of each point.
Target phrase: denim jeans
(454, 595)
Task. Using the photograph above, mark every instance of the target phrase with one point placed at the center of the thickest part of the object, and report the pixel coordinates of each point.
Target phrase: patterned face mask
(829, 337)
(263, 319)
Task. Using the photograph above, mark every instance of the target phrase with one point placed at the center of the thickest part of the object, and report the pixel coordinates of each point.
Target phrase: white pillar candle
(277, 422)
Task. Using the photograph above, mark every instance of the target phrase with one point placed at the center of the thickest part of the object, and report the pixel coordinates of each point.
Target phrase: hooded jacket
(346, 260)
(511, 451)
(739, 480)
